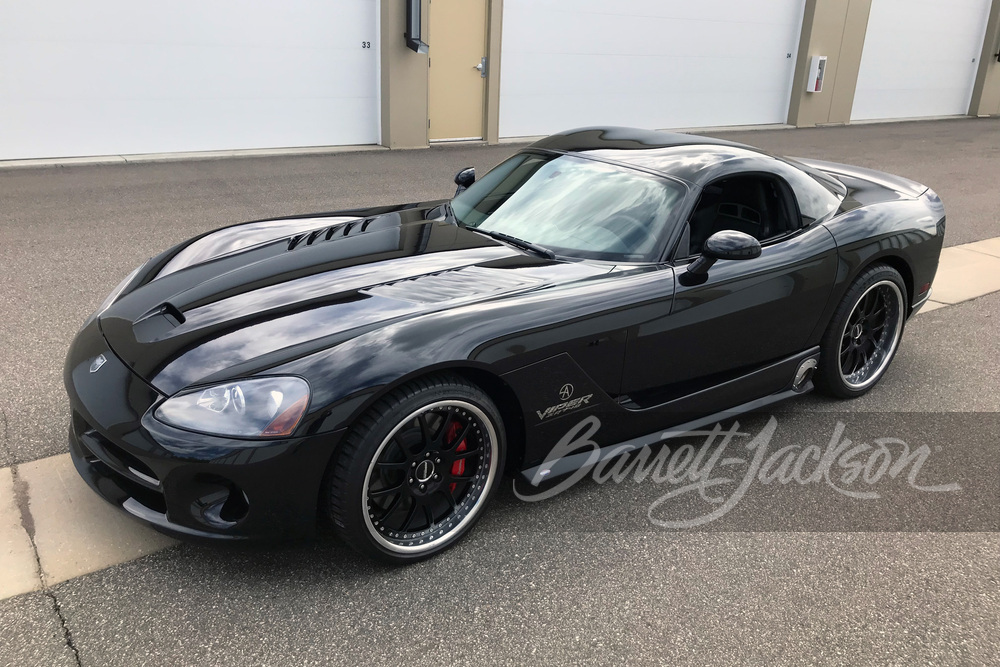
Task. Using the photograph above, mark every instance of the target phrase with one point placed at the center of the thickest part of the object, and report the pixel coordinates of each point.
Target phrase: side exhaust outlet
(804, 374)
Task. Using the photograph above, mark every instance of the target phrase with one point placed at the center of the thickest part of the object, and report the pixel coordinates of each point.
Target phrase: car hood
(246, 298)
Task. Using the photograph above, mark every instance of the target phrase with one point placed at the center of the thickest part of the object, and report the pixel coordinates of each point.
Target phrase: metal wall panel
(649, 63)
(119, 76)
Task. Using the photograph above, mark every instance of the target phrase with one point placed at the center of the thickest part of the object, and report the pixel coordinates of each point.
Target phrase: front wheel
(864, 333)
(416, 471)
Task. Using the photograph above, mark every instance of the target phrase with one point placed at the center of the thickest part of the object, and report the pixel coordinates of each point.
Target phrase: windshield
(573, 206)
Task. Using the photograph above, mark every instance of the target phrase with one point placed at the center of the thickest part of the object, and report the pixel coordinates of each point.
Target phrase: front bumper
(181, 483)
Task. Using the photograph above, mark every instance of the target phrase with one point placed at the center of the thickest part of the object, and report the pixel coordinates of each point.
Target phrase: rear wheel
(863, 335)
(416, 471)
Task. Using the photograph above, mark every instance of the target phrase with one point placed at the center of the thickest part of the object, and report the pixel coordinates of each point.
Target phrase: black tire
(434, 447)
(864, 333)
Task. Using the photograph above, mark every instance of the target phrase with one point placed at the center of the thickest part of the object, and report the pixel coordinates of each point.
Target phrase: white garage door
(920, 58)
(126, 76)
(649, 63)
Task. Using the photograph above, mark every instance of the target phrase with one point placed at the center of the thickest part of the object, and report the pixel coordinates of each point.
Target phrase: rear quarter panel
(906, 233)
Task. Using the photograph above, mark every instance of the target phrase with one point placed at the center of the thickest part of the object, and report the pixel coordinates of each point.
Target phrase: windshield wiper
(514, 241)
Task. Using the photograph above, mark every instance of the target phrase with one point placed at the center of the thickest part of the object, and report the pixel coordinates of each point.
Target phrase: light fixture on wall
(413, 27)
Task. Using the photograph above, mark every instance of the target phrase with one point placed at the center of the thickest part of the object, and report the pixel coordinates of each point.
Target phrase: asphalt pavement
(795, 574)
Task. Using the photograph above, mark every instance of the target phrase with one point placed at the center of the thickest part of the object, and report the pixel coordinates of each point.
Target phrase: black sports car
(383, 367)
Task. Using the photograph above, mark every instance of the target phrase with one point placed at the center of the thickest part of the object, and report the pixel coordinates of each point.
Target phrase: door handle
(482, 67)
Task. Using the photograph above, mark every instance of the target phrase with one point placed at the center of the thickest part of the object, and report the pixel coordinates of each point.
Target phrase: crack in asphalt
(22, 501)
(3, 435)
(67, 635)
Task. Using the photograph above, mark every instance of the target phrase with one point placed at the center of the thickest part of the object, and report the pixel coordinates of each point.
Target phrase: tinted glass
(573, 206)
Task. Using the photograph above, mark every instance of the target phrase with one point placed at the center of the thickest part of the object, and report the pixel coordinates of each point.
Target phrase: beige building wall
(986, 93)
(835, 29)
(491, 124)
(404, 77)
(403, 80)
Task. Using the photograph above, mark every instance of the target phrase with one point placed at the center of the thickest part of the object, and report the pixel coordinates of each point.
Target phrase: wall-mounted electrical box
(817, 70)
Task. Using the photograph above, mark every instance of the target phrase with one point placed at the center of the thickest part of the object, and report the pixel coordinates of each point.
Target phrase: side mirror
(727, 244)
(464, 179)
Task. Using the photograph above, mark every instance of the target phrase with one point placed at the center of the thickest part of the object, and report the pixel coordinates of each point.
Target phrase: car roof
(690, 158)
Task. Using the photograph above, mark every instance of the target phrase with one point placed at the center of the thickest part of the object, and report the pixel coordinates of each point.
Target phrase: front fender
(497, 337)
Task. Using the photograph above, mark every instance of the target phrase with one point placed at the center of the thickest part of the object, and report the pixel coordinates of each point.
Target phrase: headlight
(257, 408)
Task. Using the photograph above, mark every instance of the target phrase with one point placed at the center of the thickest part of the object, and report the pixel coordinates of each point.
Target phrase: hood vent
(155, 323)
(343, 230)
(472, 282)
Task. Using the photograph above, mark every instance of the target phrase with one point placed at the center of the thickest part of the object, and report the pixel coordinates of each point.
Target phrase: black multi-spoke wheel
(430, 475)
(865, 331)
(416, 471)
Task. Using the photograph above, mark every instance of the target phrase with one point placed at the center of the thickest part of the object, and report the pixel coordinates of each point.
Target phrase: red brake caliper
(458, 467)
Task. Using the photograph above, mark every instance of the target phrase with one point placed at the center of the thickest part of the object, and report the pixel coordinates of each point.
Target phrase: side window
(758, 205)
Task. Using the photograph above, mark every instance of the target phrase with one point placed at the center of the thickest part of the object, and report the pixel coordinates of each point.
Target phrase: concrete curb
(19, 572)
(191, 155)
(54, 528)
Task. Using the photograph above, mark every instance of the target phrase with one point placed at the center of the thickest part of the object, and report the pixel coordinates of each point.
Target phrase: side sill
(568, 464)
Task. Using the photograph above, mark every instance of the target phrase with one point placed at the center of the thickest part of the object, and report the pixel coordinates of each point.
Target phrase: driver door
(743, 316)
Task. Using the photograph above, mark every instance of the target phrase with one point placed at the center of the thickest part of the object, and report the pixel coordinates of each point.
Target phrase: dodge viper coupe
(382, 368)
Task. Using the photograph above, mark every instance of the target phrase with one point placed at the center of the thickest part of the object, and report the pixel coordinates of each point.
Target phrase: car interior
(756, 205)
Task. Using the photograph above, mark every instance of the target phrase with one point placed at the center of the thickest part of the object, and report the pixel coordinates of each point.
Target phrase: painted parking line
(54, 528)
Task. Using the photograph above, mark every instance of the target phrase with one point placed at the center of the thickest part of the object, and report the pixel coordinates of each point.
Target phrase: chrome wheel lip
(887, 352)
(452, 533)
